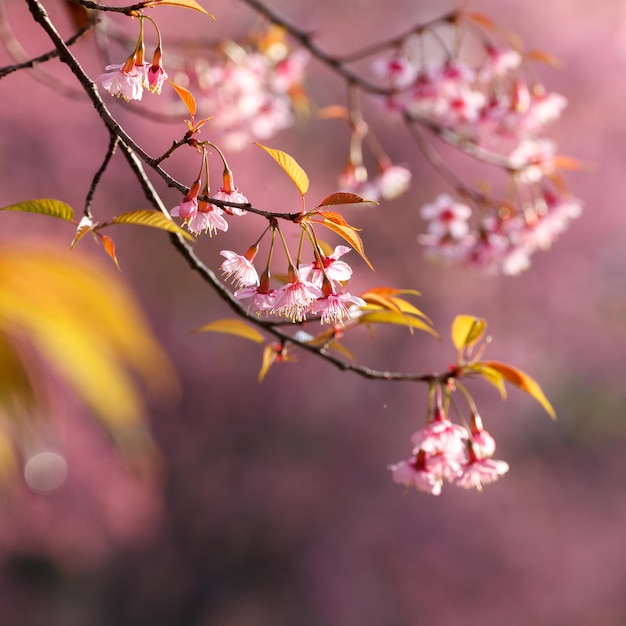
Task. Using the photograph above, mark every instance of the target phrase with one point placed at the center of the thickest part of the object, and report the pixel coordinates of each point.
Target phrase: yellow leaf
(44, 206)
(341, 197)
(86, 326)
(491, 375)
(186, 4)
(467, 330)
(290, 166)
(337, 224)
(269, 356)
(524, 382)
(154, 219)
(186, 96)
(232, 327)
(391, 317)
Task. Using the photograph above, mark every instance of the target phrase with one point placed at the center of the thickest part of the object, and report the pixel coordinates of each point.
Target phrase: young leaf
(291, 168)
(337, 224)
(186, 4)
(186, 96)
(467, 330)
(491, 375)
(391, 317)
(480, 20)
(109, 246)
(269, 356)
(341, 197)
(44, 206)
(524, 382)
(84, 226)
(232, 327)
(155, 219)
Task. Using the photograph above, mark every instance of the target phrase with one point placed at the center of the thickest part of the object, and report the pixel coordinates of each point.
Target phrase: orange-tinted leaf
(232, 327)
(154, 219)
(407, 307)
(269, 356)
(186, 4)
(391, 317)
(186, 96)
(524, 382)
(543, 57)
(335, 111)
(467, 330)
(481, 20)
(337, 224)
(341, 197)
(109, 246)
(84, 226)
(326, 339)
(567, 163)
(44, 206)
(491, 375)
(290, 166)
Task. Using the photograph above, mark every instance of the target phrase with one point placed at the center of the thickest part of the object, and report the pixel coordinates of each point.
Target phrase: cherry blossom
(479, 472)
(335, 307)
(122, 83)
(335, 270)
(187, 209)
(232, 196)
(294, 299)
(447, 217)
(263, 300)
(240, 269)
(416, 473)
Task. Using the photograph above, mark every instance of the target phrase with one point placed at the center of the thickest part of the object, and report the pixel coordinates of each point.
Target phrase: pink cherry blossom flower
(441, 436)
(240, 269)
(336, 271)
(335, 307)
(397, 69)
(447, 217)
(534, 158)
(128, 85)
(393, 181)
(294, 299)
(156, 77)
(262, 302)
(187, 209)
(479, 472)
(416, 474)
(207, 222)
(232, 196)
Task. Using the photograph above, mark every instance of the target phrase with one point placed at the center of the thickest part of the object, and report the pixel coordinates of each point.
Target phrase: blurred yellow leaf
(232, 327)
(83, 322)
(491, 375)
(391, 317)
(269, 356)
(524, 382)
(467, 330)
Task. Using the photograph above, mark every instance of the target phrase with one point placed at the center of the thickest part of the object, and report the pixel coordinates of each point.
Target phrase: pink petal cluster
(249, 95)
(446, 452)
(128, 85)
(240, 269)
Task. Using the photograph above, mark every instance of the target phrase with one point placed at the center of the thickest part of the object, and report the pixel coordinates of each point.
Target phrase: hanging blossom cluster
(250, 92)
(495, 113)
(447, 452)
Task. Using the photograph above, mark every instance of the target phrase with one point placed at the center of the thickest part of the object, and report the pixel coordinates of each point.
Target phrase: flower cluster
(250, 94)
(315, 288)
(503, 240)
(446, 452)
(493, 112)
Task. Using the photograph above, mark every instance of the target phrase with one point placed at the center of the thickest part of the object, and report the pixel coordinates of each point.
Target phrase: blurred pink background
(275, 507)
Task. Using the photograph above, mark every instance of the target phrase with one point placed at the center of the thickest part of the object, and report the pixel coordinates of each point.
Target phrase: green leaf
(341, 197)
(232, 327)
(154, 219)
(290, 166)
(185, 4)
(391, 317)
(44, 206)
(467, 330)
(186, 96)
(524, 382)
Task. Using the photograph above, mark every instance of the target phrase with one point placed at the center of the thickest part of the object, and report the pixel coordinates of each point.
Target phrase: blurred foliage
(64, 318)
